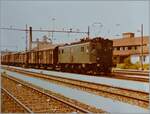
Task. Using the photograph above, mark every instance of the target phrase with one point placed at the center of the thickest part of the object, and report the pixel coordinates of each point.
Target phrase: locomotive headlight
(98, 65)
(83, 65)
(87, 51)
(97, 58)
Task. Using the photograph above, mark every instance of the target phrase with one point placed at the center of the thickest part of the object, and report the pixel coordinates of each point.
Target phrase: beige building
(130, 46)
(42, 45)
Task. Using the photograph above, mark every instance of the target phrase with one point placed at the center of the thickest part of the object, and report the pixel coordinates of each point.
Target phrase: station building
(131, 46)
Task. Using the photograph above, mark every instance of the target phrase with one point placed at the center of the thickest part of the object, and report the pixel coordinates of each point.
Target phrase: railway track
(140, 73)
(12, 104)
(126, 76)
(139, 98)
(36, 100)
(120, 74)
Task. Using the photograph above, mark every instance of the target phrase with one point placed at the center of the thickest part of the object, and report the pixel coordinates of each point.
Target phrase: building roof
(130, 41)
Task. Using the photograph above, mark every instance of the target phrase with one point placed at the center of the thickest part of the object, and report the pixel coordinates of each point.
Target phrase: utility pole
(142, 46)
(26, 37)
(53, 22)
(88, 33)
(30, 40)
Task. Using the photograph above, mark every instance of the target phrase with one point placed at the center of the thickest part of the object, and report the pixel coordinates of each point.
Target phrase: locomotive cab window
(82, 49)
(62, 51)
(87, 49)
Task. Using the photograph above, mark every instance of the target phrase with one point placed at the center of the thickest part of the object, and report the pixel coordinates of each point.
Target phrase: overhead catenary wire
(44, 30)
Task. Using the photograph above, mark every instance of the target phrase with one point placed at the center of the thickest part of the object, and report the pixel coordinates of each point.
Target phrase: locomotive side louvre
(75, 54)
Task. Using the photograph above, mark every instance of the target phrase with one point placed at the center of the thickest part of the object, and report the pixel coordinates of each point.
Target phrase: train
(85, 56)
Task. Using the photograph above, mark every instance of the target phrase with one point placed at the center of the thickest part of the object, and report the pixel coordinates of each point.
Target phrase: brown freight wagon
(22, 58)
(8, 58)
(44, 58)
(12, 58)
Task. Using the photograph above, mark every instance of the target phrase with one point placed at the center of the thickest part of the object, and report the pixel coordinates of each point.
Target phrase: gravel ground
(40, 103)
(9, 105)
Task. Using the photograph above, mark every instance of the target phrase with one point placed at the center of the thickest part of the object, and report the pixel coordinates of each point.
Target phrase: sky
(115, 17)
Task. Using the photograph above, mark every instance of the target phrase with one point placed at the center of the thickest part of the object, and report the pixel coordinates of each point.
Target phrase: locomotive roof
(86, 40)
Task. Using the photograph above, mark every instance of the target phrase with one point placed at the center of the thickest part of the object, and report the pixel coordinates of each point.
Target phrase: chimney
(30, 40)
(128, 35)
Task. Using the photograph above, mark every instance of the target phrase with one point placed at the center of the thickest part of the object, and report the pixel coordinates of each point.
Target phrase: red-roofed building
(130, 46)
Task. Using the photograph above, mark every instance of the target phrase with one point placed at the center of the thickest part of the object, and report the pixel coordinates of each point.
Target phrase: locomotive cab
(101, 53)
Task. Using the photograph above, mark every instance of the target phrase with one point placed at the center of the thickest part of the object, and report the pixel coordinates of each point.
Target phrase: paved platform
(129, 84)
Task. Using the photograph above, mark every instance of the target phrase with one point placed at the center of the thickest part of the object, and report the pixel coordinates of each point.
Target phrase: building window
(118, 48)
(144, 58)
(82, 49)
(62, 51)
(87, 49)
(133, 48)
(115, 48)
(121, 48)
(129, 48)
(126, 48)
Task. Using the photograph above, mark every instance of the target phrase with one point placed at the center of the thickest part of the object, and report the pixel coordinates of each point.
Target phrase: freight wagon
(43, 58)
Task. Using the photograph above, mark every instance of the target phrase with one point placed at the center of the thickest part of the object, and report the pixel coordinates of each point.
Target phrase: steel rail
(118, 75)
(49, 95)
(56, 78)
(17, 101)
(132, 73)
(88, 87)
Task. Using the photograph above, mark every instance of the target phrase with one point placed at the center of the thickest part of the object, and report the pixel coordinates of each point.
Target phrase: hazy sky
(129, 15)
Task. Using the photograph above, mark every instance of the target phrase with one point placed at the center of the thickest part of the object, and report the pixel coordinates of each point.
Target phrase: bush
(122, 66)
(146, 66)
(128, 65)
(132, 66)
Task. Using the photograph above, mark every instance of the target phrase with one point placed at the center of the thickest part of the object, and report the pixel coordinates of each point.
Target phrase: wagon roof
(45, 47)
